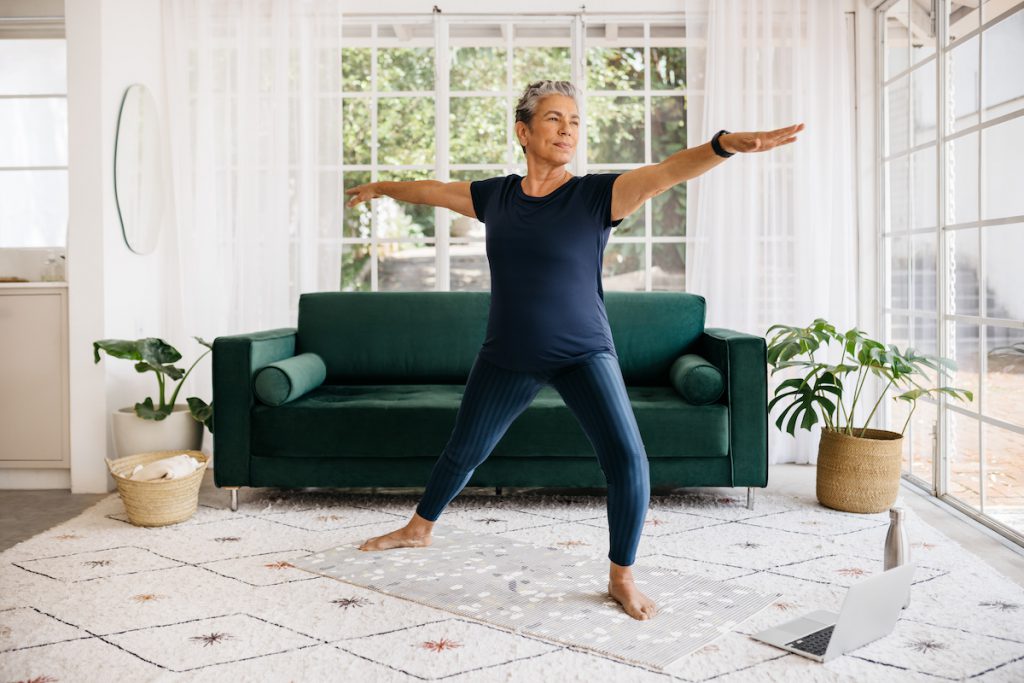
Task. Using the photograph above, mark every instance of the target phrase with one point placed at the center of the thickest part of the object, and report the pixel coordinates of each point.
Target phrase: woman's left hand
(761, 141)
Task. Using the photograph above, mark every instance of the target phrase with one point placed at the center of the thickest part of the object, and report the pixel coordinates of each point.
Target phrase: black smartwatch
(717, 146)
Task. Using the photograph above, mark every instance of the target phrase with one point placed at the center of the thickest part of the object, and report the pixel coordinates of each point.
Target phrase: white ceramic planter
(177, 431)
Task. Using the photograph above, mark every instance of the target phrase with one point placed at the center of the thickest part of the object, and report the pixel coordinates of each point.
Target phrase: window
(436, 100)
(636, 110)
(952, 233)
(33, 134)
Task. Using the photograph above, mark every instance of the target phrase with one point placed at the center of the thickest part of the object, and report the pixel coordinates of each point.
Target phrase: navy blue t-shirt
(547, 303)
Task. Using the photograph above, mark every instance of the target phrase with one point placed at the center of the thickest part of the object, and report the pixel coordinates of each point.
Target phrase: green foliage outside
(480, 132)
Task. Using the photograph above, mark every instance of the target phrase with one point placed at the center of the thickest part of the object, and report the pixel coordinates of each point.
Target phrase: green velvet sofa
(396, 365)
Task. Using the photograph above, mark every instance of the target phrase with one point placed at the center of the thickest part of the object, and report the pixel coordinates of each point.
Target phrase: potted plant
(166, 426)
(858, 468)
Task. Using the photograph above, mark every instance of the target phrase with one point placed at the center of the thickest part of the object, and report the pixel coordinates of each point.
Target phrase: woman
(547, 324)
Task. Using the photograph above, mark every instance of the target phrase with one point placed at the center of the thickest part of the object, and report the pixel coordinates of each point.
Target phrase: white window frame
(440, 42)
(945, 321)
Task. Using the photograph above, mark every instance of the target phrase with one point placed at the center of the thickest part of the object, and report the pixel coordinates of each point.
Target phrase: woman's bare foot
(636, 604)
(415, 534)
(399, 538)
(622, 588)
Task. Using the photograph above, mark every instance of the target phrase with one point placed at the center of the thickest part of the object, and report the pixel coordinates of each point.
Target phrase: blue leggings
(594, 391)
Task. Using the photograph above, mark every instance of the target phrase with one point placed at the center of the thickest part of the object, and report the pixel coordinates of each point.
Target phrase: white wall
(113, 292)
(134, 294)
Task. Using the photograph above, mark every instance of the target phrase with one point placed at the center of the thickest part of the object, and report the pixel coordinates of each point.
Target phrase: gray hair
(535, 92)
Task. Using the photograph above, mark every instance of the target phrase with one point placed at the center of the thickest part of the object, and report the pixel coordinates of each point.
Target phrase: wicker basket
(859, 473)
(157, 502)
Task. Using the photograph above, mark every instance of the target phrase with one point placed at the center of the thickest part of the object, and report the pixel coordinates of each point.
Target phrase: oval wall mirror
(139, 185)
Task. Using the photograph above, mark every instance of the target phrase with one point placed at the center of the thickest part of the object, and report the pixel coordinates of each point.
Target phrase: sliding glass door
(951, 217)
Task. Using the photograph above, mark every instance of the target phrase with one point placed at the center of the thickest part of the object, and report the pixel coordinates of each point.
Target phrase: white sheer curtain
(253, 115)
(774, 233)
(254, 121)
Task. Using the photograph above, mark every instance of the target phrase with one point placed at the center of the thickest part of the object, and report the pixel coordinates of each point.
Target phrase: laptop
(869, 611)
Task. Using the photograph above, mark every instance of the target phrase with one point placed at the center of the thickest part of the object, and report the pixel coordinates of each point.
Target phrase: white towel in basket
(175, 467)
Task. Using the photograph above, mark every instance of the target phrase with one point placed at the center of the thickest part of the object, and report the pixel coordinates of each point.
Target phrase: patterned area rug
(219, 597)
(542, 592)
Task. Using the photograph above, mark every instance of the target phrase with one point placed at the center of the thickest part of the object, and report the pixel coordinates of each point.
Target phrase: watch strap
(717, 146)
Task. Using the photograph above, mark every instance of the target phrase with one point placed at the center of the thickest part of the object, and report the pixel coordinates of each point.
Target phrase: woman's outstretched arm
(454, 195)
(635, 187)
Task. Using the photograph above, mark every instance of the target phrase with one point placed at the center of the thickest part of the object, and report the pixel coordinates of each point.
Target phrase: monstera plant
(858, 468)
(152, 354)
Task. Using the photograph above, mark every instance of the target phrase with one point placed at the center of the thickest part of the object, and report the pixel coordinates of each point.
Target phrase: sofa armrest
(743, 361)
(236, 358)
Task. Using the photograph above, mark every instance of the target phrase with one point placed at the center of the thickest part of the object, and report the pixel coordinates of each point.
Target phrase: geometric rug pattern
(219, 597)
(544, 593)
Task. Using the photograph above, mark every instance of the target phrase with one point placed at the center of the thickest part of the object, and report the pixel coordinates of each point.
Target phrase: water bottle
(49, 268)
(897, 548)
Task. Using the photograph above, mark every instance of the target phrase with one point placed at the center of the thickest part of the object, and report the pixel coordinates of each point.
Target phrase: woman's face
(556, 128)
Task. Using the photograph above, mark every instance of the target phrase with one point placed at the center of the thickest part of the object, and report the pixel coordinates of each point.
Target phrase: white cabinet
(34, 375)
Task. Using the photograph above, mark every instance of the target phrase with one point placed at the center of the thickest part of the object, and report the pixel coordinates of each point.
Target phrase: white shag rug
(217, 597)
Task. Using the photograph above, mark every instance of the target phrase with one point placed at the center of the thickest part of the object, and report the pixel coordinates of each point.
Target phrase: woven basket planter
(158, 502)
(859, 473)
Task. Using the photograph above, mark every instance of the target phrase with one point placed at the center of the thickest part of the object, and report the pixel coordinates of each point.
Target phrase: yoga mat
(547, 593)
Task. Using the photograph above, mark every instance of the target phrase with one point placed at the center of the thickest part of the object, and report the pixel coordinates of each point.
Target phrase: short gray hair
(535, 92)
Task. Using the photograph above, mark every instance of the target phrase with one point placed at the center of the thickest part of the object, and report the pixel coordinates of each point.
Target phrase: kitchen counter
(23, 285)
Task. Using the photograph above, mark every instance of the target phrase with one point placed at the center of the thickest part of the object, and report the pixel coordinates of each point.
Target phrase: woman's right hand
(362, 193)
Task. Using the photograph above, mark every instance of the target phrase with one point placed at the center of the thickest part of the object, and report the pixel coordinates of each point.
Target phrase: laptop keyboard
(816, 643)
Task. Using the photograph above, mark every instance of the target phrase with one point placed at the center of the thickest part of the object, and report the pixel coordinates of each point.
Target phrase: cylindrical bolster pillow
(286, 380)
(697, 381)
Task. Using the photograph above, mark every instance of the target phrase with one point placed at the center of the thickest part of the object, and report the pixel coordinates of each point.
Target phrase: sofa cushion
(393, 337)
(286, 380)
(651, 330)
(376, 338)
(697, 381)
(404, 420)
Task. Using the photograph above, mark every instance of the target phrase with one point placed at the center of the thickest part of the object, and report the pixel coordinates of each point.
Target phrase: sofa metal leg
(750, 497)
(234, 497)
(497, 490)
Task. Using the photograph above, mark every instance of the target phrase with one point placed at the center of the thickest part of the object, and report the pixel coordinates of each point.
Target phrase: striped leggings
(595, 392)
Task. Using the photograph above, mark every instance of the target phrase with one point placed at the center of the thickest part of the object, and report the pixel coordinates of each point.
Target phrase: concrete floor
(24, 514)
